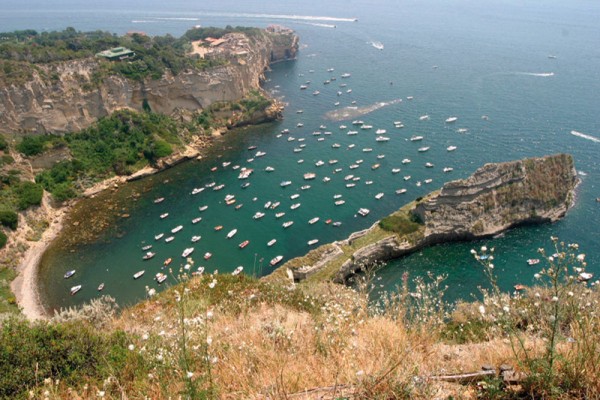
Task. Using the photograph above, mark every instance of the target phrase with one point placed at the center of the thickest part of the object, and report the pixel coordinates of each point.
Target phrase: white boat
(368, 182)
(148, 255)
(196, 238)
(207, 255)
(585, 276)
(294, 196)
(310, 175)
(197, 190)
(406, 161)
(187, 252)
(448, 169)
(451, 119)
(428, 180)
(316, 93)
(406, 177)
(267, 204)
(429, 165)
(258, 215)
(163, 216)
(69, 274)
(332, 162)
(177, 229)
(326, 179)
(382, 139)
(297, 150)
(271, 242)
(294, 206)
(337, 196)
(336, 145)
(395, 170)
(351, 146)
(231, 233)
(75, 289)
(451, 148)
(415, 138)
(245, 173)
(366, 127)
(313, 241)
(159, 200)
(346, 75)
(279, 215)
(350, 185)
(219, 187)
(196, 220)
(299, 125)
(275, 205)
(423, 149)
(380, 131)
(339, 202)
(138, 274)
(203, 208)
(276, 260)
(400, 191)
(380, 156)
(367, 150)
(423, 117)
(462, 130)
(313, 220)
(352, 133)
(303, 87)
(159, 236)
(287, 224)
(285, 183)
(160, 277)
(353, 166)
(320, 163)
(305, 187)
(364, 211)
(379, 195)
(229, 197)
(375, 166)
(101, 287)
(169, 239)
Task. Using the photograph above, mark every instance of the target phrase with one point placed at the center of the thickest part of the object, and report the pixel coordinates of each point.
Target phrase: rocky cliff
(71, 100)
(495, 198)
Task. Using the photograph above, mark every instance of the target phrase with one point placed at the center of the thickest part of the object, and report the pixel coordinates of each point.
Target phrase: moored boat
(177, 229)
(313, 220)
(69, 274)
(207, 255)
(159, 200)
(244, 244)
(159, 236)
(313, 241)
(364, 211)
(196, 238)
(451, 119)
(271, 242)
(275, 260)
(101, 287)
(148, 255)
(287, 224)
(187, 252)
(138, 274)
(75, 289)
(231, 233)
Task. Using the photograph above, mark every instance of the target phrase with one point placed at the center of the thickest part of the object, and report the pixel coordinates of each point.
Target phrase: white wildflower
(145, 336)
(131, 347)
(580, 257)
(212, 284)
(482, 309)
(209, 340)
(101, 393)
(209, 314)
(554, 299)
(360, 373)
(506, 309)
(570, 294)
(189, 374)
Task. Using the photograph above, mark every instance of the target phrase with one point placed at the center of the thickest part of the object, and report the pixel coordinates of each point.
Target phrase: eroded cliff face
(499, 196)
(69, 101)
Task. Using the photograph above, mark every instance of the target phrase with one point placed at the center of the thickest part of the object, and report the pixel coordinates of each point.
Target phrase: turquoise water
(463, 59)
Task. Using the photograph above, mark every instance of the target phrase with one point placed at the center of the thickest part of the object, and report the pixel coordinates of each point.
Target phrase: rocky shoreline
(494, 199)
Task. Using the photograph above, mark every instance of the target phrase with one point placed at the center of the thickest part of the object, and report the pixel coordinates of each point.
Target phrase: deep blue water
(455, 58)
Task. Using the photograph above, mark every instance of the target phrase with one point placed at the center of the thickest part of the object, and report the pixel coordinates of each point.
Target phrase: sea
(522, 79)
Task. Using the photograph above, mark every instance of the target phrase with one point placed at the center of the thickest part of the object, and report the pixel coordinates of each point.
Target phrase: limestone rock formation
(71, 101)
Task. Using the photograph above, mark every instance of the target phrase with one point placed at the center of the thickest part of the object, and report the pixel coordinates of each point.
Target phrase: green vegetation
(70, 353)
(9, 219)
(22, 51)
(3, 239)
(400, 223)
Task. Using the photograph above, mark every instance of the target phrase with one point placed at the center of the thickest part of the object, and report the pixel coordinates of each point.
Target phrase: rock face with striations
(499, 196)
(70, 101)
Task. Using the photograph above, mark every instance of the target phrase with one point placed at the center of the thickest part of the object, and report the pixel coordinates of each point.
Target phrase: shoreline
(24, 286)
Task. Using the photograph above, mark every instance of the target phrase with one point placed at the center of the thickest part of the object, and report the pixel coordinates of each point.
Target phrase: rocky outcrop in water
(71, 100)
(495, 198)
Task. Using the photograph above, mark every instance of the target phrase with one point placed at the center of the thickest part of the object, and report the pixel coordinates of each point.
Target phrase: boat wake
(319, 24)
(376, 44)
(279, 16)
(584, 136)
(176, 19)
(353, 112)
(542, 74)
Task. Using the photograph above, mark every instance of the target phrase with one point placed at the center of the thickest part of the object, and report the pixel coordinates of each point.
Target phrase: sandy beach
(24, 286)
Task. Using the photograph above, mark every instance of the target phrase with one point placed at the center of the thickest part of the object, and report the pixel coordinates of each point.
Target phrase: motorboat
(448, 169)
(203, 208)
(310, 175)
(101, 287)
(231, 233)
(400, 191)
(364, 211)
(313, 220)
(159, 200)
(258, 215)
(196, 220)
(406, 161)
(429, 165)
(75, 289)
(177, 229)
(451, 119)
(169, 239)
(294, 206)
(276, 260)
(287, 224)
(195, 238)
(379, 195)
(187, 252)
(244, 244)
(147, 247)
(148, 255)
(245, 173)
(423, 149)
(207, 255)
(416, 138)
(69, 274)
(159, 236)
(312, 242)
(164, 215)
(451, 148)
(285, 183)
(271, 242)
(160, 277)
(138, 274)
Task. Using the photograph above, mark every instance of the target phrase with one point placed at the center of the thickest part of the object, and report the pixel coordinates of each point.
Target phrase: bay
(465, 59)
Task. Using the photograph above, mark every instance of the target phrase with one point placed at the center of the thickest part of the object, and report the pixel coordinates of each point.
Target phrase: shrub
(63, 191)
(3, 143)
(399, 223)
(9, 218)
(69, 352)
(28, 194)
(3, 239)
(31, 145)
